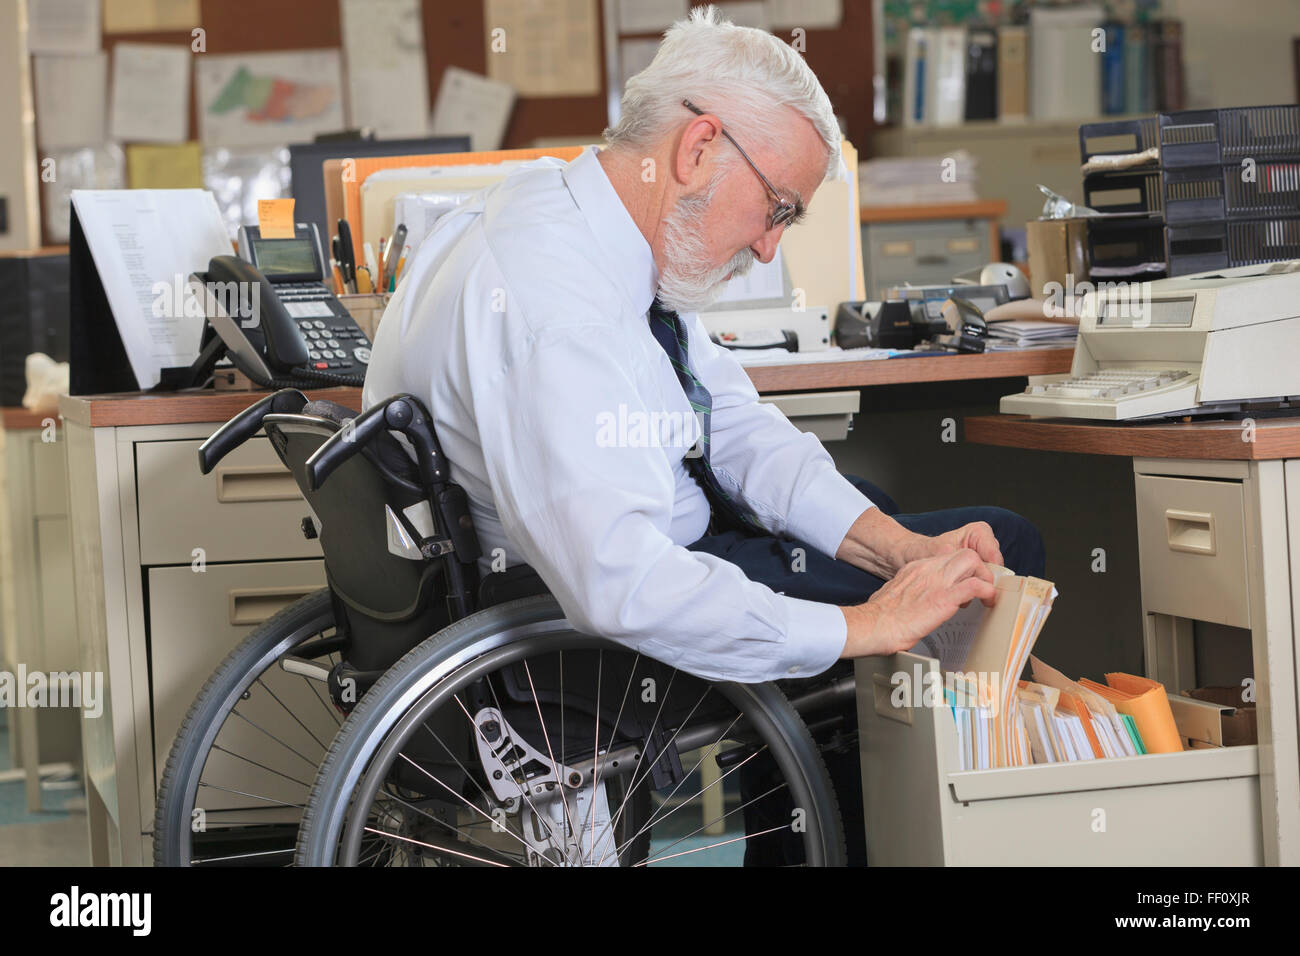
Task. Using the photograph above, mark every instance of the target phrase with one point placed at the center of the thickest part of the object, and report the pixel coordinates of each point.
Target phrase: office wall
(1237, 54)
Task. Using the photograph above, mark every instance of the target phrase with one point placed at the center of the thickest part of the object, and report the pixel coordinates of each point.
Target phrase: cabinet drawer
(1192, 547)
(248, 508)
(196, 619)
(49, 478)
(1129, 811)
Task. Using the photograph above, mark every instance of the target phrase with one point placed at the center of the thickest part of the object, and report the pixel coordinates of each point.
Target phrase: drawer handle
(255, 605)
(967, 244)
(1190, 531)
(238, 483)
(882, 689)
(931, 260)
(900, 247)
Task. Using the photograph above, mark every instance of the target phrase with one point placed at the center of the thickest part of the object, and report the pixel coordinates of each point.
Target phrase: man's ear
(699, 137)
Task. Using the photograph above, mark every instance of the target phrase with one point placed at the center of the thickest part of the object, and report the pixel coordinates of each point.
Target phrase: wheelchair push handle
(246, 424)
(401, 413)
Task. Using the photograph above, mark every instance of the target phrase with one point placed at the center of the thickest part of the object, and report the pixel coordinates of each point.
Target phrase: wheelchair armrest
(246, 424)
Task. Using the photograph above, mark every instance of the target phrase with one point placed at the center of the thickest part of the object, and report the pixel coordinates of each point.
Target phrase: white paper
(145, 243)
(151, 93)
(62, 26)
(809, 14)
(473, 104)
(633, 57)
(70, 103)
(420, 212)
(383, 46)
(269, 99)
(650, 16)
(543, 49)
(765, 281)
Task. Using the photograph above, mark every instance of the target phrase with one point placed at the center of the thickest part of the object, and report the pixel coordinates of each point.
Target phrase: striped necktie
(728, 513)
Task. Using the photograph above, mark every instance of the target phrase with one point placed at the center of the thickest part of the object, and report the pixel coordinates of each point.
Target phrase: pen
(347, 255)
(395, 247)
(372, 266)
(381, 284)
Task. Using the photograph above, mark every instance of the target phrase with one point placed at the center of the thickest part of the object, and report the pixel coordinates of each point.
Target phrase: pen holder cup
(367, 309)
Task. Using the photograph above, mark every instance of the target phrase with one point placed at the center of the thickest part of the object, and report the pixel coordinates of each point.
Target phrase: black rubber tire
(300, 621)
(383, 705)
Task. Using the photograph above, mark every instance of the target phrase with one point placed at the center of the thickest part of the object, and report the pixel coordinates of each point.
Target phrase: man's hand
(976, 536)
(920, 597)
(879, 545)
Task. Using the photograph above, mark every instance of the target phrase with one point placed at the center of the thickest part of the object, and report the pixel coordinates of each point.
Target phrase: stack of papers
(918, 180)
(982, 652)
(1031, 333)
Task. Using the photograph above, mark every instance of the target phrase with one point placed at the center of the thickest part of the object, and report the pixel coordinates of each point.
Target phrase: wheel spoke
(278, 773)
(704, 826)
(275, 697)
(555, 768)
(460, 797)
(701, 849)
(307, 760)
(382, 834)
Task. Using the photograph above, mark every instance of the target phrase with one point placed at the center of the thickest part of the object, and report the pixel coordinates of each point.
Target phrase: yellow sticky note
(275, 218)
(164, 166)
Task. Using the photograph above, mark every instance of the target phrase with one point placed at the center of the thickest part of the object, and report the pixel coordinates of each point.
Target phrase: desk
(141, 511)
(1218, 522)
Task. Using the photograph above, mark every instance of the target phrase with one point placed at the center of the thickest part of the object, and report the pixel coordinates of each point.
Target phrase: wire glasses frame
(786, 210)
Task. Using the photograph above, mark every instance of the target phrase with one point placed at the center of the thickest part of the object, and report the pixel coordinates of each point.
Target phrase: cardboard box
(1239, 727)
(1058, 248)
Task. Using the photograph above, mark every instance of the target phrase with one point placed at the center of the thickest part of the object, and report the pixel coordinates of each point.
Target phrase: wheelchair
(415, 713)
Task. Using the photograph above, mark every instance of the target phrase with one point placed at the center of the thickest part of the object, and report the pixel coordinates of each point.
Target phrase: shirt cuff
(814, 637)
(827, 509)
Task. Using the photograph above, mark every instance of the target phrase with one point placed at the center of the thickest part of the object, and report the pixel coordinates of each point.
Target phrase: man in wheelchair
(609, 448)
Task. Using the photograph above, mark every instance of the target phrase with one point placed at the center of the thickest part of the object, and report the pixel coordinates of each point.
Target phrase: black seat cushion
(517, 582)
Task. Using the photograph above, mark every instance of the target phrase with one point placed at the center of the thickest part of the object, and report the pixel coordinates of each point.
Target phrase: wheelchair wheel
(240, 770)
(509, 739)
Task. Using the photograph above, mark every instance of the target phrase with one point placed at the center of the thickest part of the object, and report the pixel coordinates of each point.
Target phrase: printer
(1213, 343)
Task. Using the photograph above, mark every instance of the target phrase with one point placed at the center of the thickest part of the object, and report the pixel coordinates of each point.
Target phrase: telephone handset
(280, 334)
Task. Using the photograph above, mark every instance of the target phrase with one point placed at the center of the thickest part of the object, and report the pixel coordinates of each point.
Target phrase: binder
(1114, 88)
(981, 73)
(1012, 73)
(914, 77)
(949, 86)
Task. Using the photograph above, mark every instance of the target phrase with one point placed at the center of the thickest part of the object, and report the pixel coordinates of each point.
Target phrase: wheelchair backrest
(370, 516)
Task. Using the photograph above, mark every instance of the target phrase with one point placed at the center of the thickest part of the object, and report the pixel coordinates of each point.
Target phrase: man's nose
(765, 249)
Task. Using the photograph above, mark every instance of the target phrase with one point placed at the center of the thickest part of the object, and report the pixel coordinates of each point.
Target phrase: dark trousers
(772, 561)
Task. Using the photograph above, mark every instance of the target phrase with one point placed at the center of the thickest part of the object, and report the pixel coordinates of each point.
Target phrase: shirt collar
(634, 270)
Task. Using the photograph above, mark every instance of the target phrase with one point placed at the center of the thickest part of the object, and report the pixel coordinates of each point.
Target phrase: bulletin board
(455, 34)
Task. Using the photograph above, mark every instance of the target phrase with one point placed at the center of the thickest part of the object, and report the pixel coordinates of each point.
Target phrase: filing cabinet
(173, 570)
(922, 253)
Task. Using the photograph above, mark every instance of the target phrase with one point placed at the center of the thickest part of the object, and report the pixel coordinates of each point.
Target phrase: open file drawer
(1196, 808)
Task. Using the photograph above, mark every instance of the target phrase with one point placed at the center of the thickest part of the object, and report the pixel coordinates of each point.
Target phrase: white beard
(683, 285)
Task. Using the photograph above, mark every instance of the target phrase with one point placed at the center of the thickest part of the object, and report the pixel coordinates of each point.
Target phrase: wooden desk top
(1274, 438)
(901, 371)
(173, 408)
(16, 417)
(979, 209)
(176, 408)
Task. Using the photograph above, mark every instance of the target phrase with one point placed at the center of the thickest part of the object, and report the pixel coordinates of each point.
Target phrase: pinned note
(164, 166)
(275, 218)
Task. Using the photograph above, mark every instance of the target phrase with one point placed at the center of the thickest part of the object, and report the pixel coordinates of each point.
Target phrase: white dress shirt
(522, 324)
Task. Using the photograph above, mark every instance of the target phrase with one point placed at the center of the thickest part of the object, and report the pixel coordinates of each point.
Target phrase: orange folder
(1075, 705)
(1147, 703)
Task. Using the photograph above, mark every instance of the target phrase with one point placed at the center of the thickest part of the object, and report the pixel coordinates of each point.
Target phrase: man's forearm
(878, 544)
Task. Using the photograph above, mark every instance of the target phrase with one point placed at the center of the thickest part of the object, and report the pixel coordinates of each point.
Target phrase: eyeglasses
(786, 210)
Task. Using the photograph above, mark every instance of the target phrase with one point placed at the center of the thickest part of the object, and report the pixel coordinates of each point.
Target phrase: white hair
(741, 75)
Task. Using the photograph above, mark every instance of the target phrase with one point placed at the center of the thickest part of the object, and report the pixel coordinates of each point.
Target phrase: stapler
(970, 330)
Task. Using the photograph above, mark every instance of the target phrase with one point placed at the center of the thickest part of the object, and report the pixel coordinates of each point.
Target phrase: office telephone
(278, 322)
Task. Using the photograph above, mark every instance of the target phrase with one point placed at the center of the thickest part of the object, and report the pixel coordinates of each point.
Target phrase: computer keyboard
(1112, 394)
(1110, 383)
